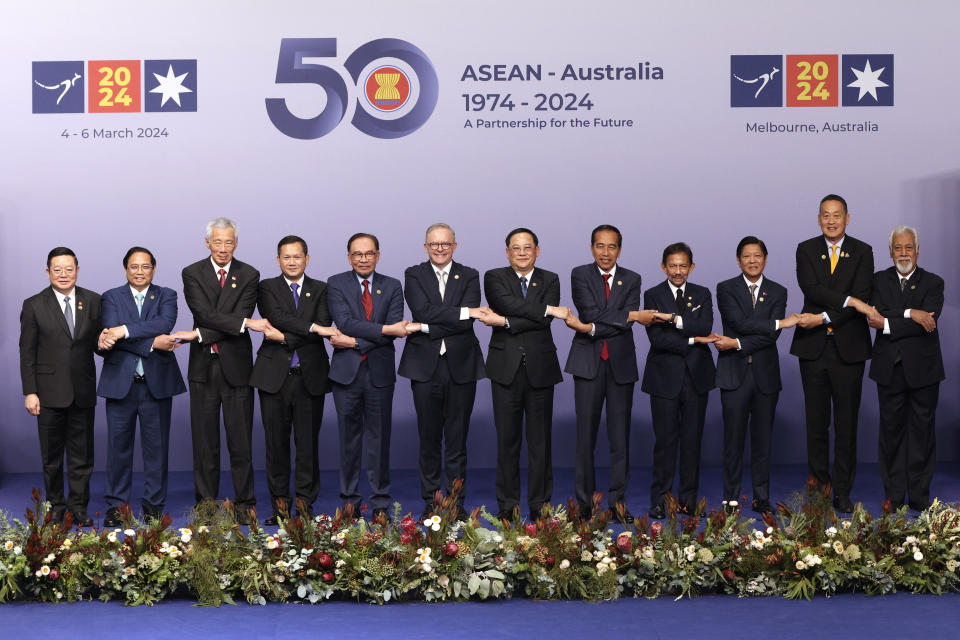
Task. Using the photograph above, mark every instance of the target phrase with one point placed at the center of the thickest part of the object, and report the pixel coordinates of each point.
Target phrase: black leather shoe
(762, 506)
(657, 513)
(242, 517)
(919, 506)
(112, 519)
(82, 520)
(273, 520)
(842, 504)
(152, 512)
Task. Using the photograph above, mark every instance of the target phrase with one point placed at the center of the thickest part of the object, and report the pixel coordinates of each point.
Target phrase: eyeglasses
(367, 255)
(63, 271)
(524, 249)
(140, 267)
(226, 244)
(437, 246)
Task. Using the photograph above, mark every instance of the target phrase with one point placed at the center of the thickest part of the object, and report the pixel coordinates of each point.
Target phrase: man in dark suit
(443, 360)
(140, 376)
(603, 361)
(222, 295)
(752, 310)
(523, 368)
(367, 308)
(291, 375)
(59, 328)
(832, 340)
(678, 375)
(908, 367)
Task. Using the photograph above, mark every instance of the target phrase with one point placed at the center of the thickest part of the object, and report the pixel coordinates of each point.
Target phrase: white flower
(424, 551)
(845, 524)
(37, 573)
(690, 557)
(17, 551)
(832, 531)
(910, 540)
(45, 570)
(690, 550)
(272, 542)
(800, 565)
(203, 529)
(8, 545)
(838, 546)
(648, 553)
(425, 567)
(565, 564)
(769, 530)
(933, 537)
(917, 556)
(291, 552)
(498, 538)
(951, 565)
(129, 532)
(443, 580)
(49, 558)
(129, 571)
(758, 534)
(111, 537)
(66, 543)
(733, 503)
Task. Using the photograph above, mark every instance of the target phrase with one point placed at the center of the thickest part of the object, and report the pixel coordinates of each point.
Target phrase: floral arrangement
(803, 550)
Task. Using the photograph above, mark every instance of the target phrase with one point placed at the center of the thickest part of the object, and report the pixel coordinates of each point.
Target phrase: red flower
(729, 575)
(408, 524)
(327, 576)
(405, 538)
(325, 559)
(624, 543)
(655, 530)
(451, 548)
(531, 529)
(54, 574)
(550, 561)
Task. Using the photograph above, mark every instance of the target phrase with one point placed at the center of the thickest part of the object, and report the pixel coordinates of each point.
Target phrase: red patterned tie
(223, 280)
(604, 354)
(367, 301)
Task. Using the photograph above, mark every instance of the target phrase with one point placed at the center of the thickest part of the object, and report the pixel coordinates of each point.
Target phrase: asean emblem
(307, 294)
(233, 285)
(378, 291)
(387, 88)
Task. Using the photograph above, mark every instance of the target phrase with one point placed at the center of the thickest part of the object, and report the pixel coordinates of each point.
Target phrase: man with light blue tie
(140, 376)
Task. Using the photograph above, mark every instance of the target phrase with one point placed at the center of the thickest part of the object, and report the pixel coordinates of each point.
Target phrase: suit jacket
(421, 288)
(670, 354)
(610, 320)
(754, 327)
(218, 314)
(529, 333)
(159, 317)
(918, 350)
(275, 301)
(343, 297)
(823, 291)
(55, 366)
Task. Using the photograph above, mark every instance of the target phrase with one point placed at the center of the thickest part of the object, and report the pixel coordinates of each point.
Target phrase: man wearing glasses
(367, 308)
(222, 294)
(58, 335)
(523, 368)
(140, 377)
(443, 360)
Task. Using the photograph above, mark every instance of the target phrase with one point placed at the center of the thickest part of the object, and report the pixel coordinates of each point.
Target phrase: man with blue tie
(752, 309)
(367, 308)
(291, 375)
(140, 376)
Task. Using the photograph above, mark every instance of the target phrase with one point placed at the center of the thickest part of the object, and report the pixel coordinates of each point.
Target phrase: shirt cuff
(691, 341)
(776, 325)
(243, 325)
(738, 344)
(199, 335)
(826, 318)
(906, 314)
(126, 332)
(679, 323)
(845, 301)
(886, 327)
(424, 327)
(464, 313)
(593, 329)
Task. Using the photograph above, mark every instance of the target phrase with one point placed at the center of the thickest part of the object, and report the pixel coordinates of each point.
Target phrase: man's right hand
(924, 319)
(258, 324)
(32, 404)
(810, 320)
(397, 329)
(164, 343)
(790, 321)
(645, 317)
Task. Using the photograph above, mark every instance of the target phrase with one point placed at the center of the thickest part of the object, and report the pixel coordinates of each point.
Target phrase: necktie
(604, 354)
(679, 302)
(68, 314)
(442, 275)
(753, 294)
(903, 284)
(367, 301)
(223, 280)
(139, 299)
(523, 286)
(833, 257)
(295, 360)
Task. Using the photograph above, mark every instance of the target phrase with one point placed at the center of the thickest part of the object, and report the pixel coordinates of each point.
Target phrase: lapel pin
(823, 257)
(378, 291)
(760, 299)
(619, 283)
(689, 297)
(456, 276)
(689, 304)
(533, 284)
(233, 285)
(913, 286)
(151, 297)
(307, 294)
(233, 277)
(844, 255)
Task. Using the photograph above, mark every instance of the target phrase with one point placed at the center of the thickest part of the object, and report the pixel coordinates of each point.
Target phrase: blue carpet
(845, 616)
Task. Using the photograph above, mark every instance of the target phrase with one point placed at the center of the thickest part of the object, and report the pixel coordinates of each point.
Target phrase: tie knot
(222, 272)
(66, 299)
(606, 277)
(294, 286)
(753, 288)
(366, 283)
(139, 297)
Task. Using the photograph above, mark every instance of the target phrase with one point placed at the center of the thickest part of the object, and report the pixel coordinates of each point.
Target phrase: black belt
(139, 379)
(294, 371)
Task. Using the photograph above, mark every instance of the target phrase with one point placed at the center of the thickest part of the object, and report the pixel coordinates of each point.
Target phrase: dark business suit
(59, 368)
(221, 379)
(604, 368)
(749, 379)
(292, 393)
(908, 367)
(522, 366)
(129, 395)
(678, 376)
(363, 381)
(444, 386)
(832, 356)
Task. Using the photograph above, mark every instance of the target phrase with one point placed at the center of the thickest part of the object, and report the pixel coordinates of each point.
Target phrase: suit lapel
(231, 284)
(80, 317)
(53, 304)
(285, 294)
(452, 292)
(535, 285)
(599, 288)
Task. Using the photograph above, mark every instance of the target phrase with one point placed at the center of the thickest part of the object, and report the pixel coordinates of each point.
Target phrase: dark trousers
(747, 408)
(206, 400)
(677, 426)
(908, 443)
(511, 404)
(364, 418)
(67, 430)
(830, 383)
(292, 406)
(443, 419)
(589, 397)
(154, 415)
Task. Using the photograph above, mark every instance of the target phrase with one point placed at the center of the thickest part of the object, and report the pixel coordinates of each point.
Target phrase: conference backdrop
(128, 124)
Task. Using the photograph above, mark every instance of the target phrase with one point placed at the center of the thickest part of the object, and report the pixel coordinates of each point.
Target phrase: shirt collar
(838, 243)
(216, 267)
(360, 278)
(759, 282)
(445, 269)
(673, 289)
(299, 282)
(909, 275)
(136, 293)
(612, 272)
(529, 276)
(60, 296)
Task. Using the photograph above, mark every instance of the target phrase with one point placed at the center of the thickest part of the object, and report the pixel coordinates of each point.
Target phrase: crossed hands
(109, 336)
(922, 318)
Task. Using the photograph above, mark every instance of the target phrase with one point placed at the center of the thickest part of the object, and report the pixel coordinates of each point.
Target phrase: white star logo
(868, 81)
(171, 86)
